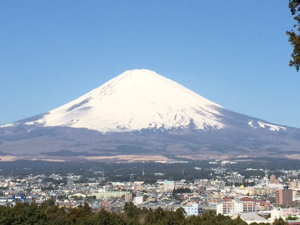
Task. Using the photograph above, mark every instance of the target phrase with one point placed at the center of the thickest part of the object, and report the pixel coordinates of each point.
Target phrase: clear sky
(234, 53)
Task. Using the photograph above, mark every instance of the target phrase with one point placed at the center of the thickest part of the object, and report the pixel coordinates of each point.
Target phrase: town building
(284, 197)
(235, 206)
(169, 186)
(128, 197)
(194, 209)
(109, 194)
(138, 200)
(293, 183)
(272, 179)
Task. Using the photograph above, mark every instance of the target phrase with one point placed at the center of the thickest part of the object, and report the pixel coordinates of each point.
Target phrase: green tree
(48, 203)
(239, 221)
(6, 215)
(101, 218)
(131, 210)
(78, 213)
(180, 213)
(294, 35)
(56, 215)
(280, 221)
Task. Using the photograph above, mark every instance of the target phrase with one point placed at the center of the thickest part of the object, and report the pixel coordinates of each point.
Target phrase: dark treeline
(48, 213)
(143, 171)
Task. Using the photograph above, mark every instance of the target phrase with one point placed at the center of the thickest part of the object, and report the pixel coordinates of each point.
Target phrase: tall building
(272, 179)
(128, 197)
(284, 197)
(169, 186)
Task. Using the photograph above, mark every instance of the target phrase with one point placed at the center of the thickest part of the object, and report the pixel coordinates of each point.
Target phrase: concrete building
(227, 207)
(169, 186)
(235, 206)
(194, 209)
(128, 197)
(284, 197)
(272, 179)
(138, 185)
(138, 200)
(249, 206)
(109, 194)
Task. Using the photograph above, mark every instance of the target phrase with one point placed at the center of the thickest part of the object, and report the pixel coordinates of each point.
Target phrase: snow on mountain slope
(135, 100)
(272, 127)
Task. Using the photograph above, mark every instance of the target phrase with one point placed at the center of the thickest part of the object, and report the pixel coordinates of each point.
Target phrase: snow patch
(270, 126)
(6, 125)
(264, 125)
(251, 124)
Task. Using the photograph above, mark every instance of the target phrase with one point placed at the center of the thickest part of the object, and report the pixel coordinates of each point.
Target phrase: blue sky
(234, 53)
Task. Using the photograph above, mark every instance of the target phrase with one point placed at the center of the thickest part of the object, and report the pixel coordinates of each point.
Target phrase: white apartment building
(194, 209)
(235, 206)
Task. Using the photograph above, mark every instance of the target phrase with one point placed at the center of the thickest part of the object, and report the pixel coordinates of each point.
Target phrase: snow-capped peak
(135, 100)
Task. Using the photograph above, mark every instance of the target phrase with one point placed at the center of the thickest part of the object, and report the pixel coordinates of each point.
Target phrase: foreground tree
(51, 214)
(280, 221)
(294, 35)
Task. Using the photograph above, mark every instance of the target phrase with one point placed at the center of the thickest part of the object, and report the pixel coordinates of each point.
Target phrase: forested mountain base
(48, 213)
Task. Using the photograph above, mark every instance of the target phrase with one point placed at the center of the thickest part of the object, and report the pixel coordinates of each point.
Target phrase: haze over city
(235, 54)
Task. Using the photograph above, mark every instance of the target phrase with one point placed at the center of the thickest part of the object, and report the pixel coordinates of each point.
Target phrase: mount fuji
(136, 100)
(143, 113)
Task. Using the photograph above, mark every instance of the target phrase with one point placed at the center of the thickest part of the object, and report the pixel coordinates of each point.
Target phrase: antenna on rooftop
(222, 166)
(266, 172)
